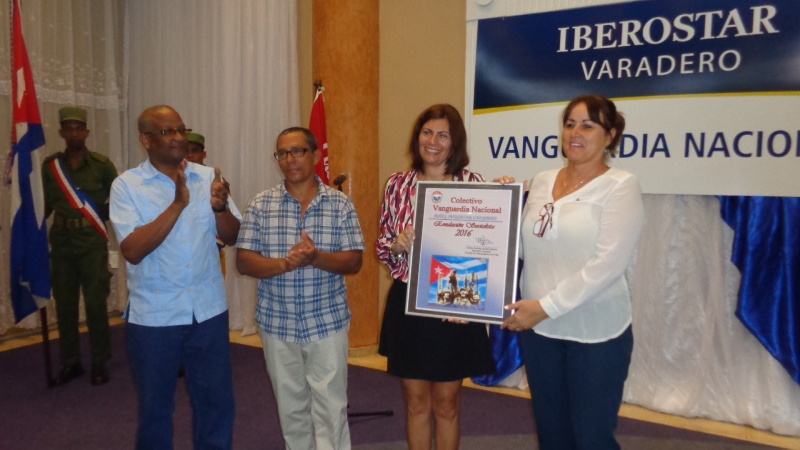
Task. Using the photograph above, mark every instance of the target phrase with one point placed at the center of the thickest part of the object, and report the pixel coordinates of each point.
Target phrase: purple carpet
(80, 416)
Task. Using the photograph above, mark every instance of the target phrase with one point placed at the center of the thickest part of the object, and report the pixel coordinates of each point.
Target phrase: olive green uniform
(79, 255)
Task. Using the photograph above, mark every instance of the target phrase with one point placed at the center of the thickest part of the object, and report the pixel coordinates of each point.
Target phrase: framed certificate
(466, 249)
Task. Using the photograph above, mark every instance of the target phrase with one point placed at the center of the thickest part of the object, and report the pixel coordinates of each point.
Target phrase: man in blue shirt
(166, 214)
(300, 239)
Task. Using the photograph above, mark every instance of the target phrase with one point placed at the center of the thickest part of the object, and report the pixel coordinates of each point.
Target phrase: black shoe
(67, 374)
(99, 374)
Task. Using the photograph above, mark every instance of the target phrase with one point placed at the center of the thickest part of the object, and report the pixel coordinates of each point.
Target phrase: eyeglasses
(545, 220)
(296, 152)
(169, 132)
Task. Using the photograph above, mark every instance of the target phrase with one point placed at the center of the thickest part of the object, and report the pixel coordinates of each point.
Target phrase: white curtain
(76, 53)
(230, 69)
(692, 357)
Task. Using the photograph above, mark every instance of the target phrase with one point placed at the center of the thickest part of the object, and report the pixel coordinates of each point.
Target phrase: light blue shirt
(182, 277)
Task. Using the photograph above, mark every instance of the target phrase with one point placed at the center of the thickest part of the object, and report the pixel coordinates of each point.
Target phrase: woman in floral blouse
(430, 355)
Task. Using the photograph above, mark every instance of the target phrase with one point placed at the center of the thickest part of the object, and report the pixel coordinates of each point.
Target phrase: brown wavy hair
(601, 111)
(458, 138)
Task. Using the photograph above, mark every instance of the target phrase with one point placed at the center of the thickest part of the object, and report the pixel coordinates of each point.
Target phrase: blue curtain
(505, 349)
(766, 249)
(507, 355)
(505, 346)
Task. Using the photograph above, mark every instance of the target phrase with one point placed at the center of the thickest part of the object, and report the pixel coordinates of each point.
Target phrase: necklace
(580, 183)
(577, 186)
(424, 177)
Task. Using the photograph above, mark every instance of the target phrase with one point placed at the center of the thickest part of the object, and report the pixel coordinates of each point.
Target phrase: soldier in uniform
(196, 148)
(78, 247)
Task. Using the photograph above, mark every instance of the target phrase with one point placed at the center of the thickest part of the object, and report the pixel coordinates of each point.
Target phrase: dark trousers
(73, 269)
(156, 353)
(576, 389)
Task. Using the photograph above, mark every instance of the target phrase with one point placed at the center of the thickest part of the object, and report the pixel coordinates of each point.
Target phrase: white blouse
(576, 269)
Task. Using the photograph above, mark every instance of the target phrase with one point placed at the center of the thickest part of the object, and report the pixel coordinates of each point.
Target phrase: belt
(63, 222)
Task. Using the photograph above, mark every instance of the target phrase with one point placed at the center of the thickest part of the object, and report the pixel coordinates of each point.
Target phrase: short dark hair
(601, 111)
(145, 121)
(311, 140)
(458, 138)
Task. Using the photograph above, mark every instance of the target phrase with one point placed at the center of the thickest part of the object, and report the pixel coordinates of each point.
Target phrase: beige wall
(422, 62)
(423, 48)
(304, 60)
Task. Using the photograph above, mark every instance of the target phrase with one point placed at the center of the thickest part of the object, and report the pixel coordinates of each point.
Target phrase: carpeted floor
(80, 416)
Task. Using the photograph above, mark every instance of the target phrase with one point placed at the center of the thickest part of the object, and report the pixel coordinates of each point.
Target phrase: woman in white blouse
(580, 227)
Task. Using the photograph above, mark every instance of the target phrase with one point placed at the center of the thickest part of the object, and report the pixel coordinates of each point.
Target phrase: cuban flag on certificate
(458, 282)
(30, 260)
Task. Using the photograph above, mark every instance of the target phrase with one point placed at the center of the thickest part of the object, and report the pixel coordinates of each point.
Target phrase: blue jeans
(156, 354)
(576, 389)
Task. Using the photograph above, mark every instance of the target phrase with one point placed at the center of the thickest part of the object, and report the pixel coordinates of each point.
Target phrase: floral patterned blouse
(397, 214)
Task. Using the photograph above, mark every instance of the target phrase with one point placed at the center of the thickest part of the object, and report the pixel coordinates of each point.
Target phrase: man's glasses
(169, 132)
(296, 152)
(545, 220)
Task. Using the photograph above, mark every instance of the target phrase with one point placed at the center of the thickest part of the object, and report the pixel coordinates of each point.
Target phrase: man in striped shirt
(300, 239)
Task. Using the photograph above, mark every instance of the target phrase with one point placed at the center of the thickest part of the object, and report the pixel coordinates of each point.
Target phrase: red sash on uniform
(77, 198)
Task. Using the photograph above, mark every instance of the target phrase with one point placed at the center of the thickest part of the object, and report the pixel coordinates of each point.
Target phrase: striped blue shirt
(306, 304)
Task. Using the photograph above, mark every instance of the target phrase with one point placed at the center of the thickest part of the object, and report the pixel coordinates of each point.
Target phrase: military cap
(197, 138)
(72, 113)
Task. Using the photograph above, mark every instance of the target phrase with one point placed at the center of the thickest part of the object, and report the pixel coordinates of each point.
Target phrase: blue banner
(639, 49)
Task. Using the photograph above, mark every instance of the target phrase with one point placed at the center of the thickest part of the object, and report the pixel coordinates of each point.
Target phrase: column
(345, 59)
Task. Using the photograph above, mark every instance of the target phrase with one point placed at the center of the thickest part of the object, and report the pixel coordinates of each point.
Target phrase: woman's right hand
(527, 314)
(403, 242)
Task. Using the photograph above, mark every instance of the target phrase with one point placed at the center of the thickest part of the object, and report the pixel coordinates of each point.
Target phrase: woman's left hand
(505, 179)
(528, 314)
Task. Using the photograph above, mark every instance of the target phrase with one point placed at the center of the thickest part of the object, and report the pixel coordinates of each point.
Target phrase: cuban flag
(318, 126)
(467, 272)
(439, 271)
(30, 261)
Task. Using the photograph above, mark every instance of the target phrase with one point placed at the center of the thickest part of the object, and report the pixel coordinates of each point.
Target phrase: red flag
(320, 130)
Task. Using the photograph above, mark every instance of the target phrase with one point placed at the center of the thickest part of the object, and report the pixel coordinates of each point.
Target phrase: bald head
(146, 118)
(163, 135)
